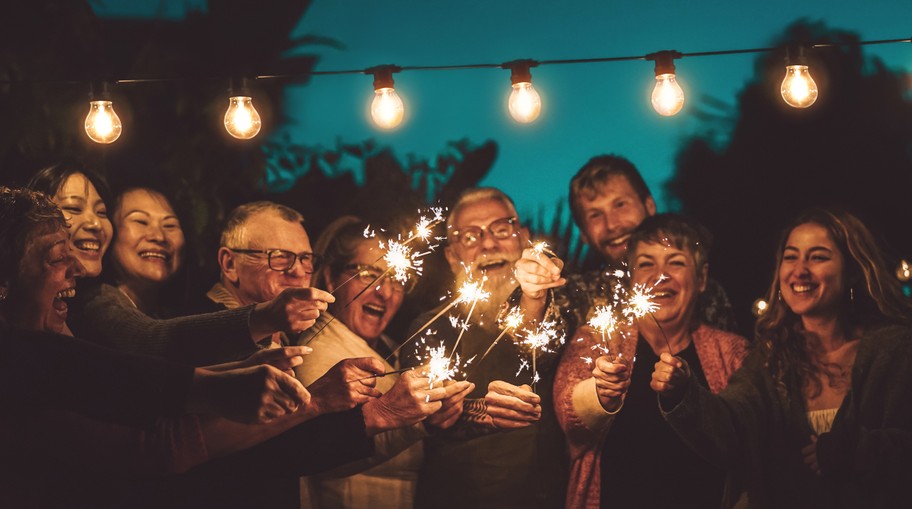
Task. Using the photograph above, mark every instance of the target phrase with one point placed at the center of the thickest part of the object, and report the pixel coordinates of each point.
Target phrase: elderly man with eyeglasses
(265, 251)
(525, 467)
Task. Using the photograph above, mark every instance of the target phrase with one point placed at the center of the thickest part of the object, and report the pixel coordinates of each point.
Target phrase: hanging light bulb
(524, 103)
(102, 123)
(798, 87)
(759, 308)
(387, 109)
(667, 96)
(241, 120)
(904, 271)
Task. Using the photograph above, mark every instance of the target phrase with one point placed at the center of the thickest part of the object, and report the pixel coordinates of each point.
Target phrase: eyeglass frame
(406, 287)
(314, 261)
(457, 234)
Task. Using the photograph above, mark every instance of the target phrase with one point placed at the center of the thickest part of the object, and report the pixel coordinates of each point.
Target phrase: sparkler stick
(542, 247)
(421, 329)
(641, 304)
(381, 375)
(513, 320)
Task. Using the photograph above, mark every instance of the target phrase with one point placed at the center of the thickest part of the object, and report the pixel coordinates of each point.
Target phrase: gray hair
(476, 194)
(235, 235)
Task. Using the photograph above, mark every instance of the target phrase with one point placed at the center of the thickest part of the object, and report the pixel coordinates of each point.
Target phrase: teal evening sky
(588, 109)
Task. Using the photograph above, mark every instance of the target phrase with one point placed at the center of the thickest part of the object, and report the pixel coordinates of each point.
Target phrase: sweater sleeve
(70, 440)
(39, 368)
(108, 318)
(720, 426)
(579, 412)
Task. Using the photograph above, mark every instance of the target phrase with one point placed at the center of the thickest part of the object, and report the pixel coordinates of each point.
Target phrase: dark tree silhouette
(852, 149)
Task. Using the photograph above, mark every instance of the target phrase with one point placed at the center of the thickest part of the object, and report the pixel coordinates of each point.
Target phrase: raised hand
(451, 405)
(256, 394)
(292, 311)
(536, 272)
(612, 379)
(347, 384)
(409, 401)
(510, 406)
(670, 376)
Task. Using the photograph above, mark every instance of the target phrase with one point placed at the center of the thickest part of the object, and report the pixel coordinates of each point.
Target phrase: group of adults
(283, 369)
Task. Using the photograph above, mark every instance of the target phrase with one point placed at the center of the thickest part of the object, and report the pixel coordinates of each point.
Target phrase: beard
(500, 284)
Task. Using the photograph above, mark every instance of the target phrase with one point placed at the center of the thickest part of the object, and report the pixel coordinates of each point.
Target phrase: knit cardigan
(586, 423)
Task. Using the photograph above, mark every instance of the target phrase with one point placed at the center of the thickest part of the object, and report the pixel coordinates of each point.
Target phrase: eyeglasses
(499, 230)
(282, 260)
(368, 274)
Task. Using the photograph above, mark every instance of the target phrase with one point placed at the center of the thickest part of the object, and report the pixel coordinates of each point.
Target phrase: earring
(2, 294)
(779, 295)
(852, 295)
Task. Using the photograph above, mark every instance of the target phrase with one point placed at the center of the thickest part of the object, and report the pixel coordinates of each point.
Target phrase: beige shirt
(385, 480)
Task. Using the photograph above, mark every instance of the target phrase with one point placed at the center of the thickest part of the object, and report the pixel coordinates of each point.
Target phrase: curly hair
(873, 297)
(23, 214)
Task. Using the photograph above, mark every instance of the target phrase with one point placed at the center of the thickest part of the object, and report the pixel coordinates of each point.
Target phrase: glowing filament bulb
(667, 96)
(387, 109)
(242, 120)
(904, 271)
(524, 103)
(102, 123)
(798, 87)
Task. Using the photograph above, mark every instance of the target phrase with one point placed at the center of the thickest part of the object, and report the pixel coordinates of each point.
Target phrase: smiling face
(248, 276)
(677, 279)
(150, 242)
(90, 230)
(369, 315)
(611, 215)
(811, 274)
(491, 256)
(46, 277)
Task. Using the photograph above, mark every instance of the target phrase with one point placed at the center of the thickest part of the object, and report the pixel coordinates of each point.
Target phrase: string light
(241, 120)
(102, 123)
(667, 96)
(387, 109)
(524, 103)
(904, 271)
(798, 87)
(759, 308)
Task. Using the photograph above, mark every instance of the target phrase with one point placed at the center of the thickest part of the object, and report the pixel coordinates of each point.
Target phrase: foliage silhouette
(852, 149)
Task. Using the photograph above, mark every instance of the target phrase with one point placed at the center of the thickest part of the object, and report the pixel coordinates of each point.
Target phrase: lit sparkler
(470, 291)
(513, 319)
(544, 337)
(541, 247)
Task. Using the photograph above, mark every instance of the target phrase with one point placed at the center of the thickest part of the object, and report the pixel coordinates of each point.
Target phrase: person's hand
(809, 454)
(536, 272)
(347, 384)
(510, 406)
(612, 379)
(292, 311)
(451, 404)
(251, 395)
(409, 401)
(285, 358)
(670, 376)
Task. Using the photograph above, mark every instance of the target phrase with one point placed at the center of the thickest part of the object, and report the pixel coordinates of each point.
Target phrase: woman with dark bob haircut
(820, 415)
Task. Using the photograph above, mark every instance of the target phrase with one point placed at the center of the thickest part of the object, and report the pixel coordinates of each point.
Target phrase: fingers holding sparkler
(537, 270)
(612, 379)
(510, 406)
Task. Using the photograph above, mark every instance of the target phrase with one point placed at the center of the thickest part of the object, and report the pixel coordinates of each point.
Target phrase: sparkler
(541, 247)
(641, 304)
(470, 291)
(473, 293)
(541, 338)
(511, 321)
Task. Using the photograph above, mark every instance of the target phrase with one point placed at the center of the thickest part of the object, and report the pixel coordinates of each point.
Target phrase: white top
(822, 420)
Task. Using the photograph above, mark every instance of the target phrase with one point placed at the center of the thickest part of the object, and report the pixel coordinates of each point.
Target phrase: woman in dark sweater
(820, 415)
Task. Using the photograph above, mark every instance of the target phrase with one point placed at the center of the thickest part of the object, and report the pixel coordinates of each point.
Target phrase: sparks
(401, 259)
(425, 225)
(603, 320)
(639, 302)
(513, 319)
(541, 247)
(473, 291)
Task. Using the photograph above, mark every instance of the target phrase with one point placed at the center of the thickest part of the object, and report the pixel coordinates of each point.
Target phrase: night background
(736, 157)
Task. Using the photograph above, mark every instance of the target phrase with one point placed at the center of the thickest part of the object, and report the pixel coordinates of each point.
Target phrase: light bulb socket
(519, 70)
(664, 61)
(383, 75)
(99, 91)
(795, 55)
(238, 86)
